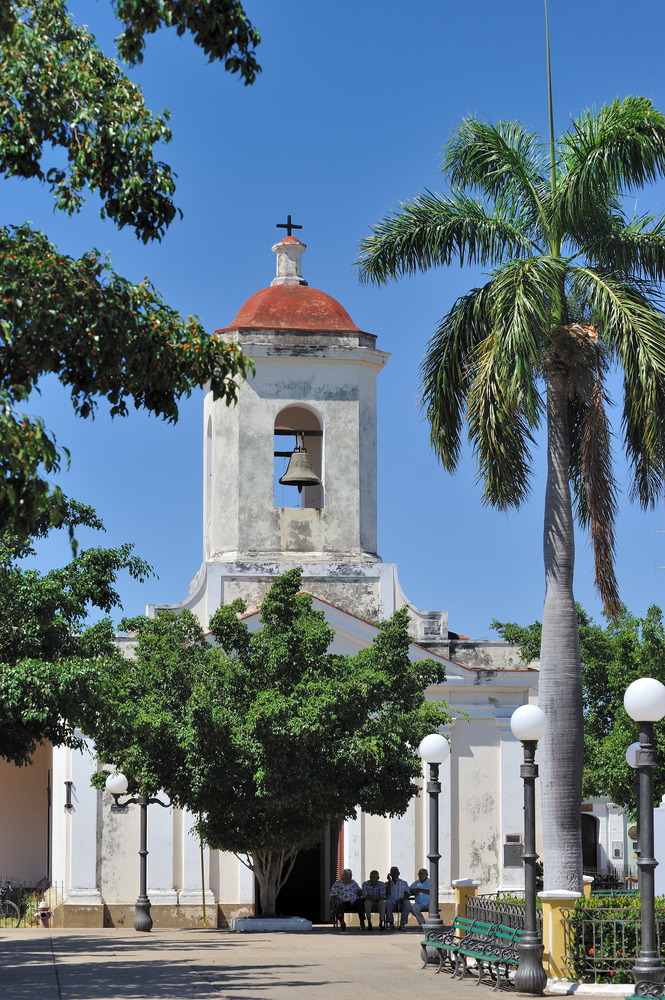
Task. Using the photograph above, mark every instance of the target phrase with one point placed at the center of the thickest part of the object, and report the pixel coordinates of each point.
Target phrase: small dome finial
(289, 265)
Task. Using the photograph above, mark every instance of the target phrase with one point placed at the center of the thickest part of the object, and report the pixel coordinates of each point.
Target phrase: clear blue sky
(348, 118)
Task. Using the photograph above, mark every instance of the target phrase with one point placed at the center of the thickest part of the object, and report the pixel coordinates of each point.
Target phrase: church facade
(313, 395)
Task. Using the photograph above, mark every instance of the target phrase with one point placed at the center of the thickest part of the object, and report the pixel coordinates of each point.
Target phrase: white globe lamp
(528, 722)
(644, 700)
(434, 749)
(631, 754)
(116, 783)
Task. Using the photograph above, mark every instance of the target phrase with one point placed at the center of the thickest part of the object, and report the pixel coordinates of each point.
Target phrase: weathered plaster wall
(477, 796)
(23, 844)
(488, 655)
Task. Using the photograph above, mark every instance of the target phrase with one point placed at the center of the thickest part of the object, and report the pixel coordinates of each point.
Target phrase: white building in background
(315, 385)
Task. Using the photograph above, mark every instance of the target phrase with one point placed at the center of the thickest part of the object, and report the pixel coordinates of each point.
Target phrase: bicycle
(10, 915)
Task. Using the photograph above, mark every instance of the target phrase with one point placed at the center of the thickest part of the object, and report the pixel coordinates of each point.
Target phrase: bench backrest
(508, 935)
(480, 929)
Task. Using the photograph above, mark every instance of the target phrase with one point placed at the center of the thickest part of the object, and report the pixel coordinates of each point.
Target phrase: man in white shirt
(419, 889)
(397, 891)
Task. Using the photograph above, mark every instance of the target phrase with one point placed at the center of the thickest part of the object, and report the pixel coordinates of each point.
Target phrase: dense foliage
(613, 655)
(56, 672)
(267, 735)
(71, 119)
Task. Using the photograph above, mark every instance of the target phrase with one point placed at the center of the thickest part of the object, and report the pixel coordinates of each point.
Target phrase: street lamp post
(644, 702)
(631, 760)
(117, 785)
(528, 724)
(433, 751)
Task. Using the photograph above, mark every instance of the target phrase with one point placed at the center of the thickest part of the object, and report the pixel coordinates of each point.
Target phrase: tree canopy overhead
(267, 736)
(56, 671)
(573, 289)
(72, 119)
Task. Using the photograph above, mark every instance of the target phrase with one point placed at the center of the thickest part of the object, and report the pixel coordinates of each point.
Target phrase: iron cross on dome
(288, 225)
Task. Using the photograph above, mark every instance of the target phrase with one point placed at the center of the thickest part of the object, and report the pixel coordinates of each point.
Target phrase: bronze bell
(300, 472)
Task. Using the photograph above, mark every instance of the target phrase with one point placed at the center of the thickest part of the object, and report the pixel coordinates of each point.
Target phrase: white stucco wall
(23, 843)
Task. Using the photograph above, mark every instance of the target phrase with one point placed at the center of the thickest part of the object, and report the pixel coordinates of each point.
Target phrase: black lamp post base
(649, 976)
(142, 920)
(433, 926)
(530, 976)
(434, 923)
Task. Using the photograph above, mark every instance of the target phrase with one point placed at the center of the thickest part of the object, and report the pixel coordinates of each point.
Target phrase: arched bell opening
(298, 450)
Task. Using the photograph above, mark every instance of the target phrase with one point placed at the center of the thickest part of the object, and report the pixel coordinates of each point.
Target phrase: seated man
(346, 897)
(419, 888)
(397, 890)
(374, 899)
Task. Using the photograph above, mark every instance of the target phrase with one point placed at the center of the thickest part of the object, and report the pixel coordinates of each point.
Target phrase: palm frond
(505, 404)
(433, 230)
(499, 428)
(447, 370)
(503, 161)
(606, 152)
(521, 296)
(630, 320)
(630, 249)
(591, 472)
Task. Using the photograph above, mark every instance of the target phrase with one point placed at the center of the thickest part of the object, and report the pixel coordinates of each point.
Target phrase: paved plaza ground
(212, 964)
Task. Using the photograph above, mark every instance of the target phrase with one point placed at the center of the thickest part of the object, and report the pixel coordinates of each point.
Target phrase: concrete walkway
(208, 965)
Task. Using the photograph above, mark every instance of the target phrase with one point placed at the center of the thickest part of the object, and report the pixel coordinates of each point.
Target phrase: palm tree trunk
(560, 688)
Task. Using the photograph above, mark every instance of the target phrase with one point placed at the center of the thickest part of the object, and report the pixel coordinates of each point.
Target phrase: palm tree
(571, 292)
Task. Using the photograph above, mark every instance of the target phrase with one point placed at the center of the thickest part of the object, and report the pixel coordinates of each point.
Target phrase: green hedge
(605, 938)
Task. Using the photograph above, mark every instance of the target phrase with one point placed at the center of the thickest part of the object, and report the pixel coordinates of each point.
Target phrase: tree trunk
(272, 868)
(560, 688)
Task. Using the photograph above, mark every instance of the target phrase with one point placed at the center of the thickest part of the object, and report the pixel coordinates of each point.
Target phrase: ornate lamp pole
(433, 750)
(644, 701)
(528, 724)
(631, 760)
(117, 785)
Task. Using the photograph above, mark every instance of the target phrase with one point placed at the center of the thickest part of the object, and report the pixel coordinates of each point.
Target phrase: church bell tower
(314, 389)
(311, 406)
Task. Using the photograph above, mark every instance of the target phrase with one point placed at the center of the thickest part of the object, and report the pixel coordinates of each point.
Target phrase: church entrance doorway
(306, 891)
(301, 894)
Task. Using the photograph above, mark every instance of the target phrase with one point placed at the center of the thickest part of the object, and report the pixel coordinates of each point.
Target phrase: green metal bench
(493, 948)
(448, 941)
(495, 953)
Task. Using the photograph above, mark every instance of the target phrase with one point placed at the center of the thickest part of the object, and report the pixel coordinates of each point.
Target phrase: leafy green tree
(103, 336)
(267, 735)
(573, 289)
(54, 670)
(612, 656)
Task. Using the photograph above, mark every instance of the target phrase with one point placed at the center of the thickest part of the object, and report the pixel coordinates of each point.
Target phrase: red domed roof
(292, 307)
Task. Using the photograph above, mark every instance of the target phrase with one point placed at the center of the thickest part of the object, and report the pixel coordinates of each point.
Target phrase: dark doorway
(306, 891)
(301, 895)
(589, 841)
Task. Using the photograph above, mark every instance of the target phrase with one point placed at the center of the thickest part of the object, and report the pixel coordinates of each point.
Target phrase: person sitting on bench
(346, 897)
(374, 899)
(397, 890)
(419, 888)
